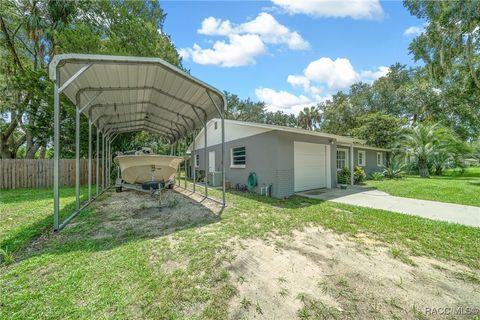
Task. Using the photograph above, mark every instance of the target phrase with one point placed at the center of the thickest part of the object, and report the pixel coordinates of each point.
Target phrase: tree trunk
(423, 169)
(10, 44)
(30, 143)
(5, 152)
(43, 152)
(32, 151)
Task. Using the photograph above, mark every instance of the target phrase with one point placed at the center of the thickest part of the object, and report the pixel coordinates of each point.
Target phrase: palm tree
(422, 142)
(395, 168)
(309, 117)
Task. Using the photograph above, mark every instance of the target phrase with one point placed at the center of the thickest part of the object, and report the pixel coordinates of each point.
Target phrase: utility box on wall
(215, 179)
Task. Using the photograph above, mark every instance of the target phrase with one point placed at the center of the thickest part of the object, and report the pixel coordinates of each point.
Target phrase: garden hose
(252, 181)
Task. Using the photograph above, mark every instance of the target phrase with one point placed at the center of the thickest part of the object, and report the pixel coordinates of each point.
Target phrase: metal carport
(119, 94)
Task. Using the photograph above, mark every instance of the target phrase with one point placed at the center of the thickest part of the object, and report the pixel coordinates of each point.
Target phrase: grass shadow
(101, 227)
(292, 202)
(19, 196)
(21, 237)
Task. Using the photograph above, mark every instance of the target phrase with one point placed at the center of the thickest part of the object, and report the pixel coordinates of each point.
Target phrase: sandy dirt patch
(133, 212)
(318, 274)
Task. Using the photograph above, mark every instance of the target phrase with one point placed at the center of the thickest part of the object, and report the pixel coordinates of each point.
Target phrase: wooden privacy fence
(38, 173)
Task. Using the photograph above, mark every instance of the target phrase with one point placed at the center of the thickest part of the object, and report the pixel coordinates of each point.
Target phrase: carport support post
(222, 118)
(89, 160)
(110, 160)
(97, 173)
(105, 164)
(103, 160)
(77, 157)
(205, 156)
(56, 147)
(223, 160)
(109, 150)
(194, 157)
(351, 165)
(106, 161)
(179, 167)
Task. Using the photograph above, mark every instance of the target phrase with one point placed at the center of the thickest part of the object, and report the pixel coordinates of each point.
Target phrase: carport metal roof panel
(117, 92)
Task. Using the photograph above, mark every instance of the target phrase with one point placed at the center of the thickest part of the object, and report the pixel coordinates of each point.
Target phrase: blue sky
(290, 53)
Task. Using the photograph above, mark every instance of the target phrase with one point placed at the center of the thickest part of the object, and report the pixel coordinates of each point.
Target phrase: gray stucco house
(291, 159)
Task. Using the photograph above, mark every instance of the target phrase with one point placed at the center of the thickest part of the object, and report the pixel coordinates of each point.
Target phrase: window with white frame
(197, 160)
(238, 157)
(342, 159)
(379, 159)
(361, 158)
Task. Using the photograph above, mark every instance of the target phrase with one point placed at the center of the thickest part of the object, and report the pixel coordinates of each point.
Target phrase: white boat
(143, 166)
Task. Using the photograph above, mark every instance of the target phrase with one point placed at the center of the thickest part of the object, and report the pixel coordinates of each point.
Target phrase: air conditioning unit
(215, 179)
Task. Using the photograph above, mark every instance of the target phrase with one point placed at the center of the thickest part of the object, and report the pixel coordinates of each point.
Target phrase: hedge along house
(290, 159)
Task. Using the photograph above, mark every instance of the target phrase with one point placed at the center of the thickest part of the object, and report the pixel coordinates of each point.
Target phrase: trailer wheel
(149, 185)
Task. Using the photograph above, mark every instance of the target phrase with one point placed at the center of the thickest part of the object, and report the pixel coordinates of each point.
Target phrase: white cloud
(316, 90)
(235, 51)
(356, 9)
(264, 25)
(372, 75)
(287, 102)
(319, 98)
(304, 82)
(212, 26)
(282, 100)
(336, 74)
(299, 81)
(273, 32)
(413, 31)
(240, 50)
(320, 79)
(331, 75)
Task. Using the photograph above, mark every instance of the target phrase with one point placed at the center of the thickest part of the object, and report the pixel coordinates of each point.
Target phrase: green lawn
(28, 213)
(452, 187)
(131, 274)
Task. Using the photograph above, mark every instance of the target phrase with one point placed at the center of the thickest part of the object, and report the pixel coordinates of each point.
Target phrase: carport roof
(119, 93)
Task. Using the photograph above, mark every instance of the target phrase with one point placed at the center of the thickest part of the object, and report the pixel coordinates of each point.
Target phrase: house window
(215, 125)
(342, 160)
(197, 160)
(361, 158)
(379, 159)
(238, 157)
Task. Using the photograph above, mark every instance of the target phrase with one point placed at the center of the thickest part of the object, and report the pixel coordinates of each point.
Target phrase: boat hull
(137, 169)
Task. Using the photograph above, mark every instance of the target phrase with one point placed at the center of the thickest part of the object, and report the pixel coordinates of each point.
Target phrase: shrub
(343, 176)
(377, 176)
(358, 175)
(5, 257)
(394, 169)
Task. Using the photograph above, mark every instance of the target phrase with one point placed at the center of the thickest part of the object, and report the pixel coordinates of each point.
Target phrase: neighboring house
(291, 159)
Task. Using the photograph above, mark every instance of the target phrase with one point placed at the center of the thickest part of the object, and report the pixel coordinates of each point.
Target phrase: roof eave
(59, 59)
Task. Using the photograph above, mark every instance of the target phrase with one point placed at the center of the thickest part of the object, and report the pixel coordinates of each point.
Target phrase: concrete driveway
(372, 198)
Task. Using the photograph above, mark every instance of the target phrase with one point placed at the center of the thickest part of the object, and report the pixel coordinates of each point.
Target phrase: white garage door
(312, 166)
